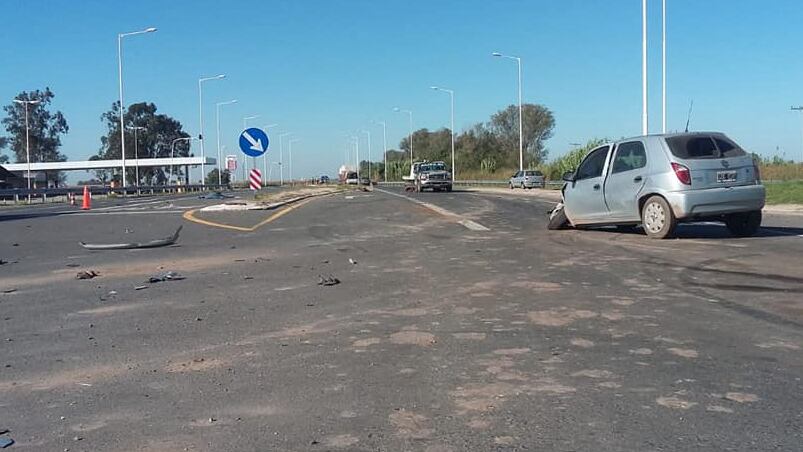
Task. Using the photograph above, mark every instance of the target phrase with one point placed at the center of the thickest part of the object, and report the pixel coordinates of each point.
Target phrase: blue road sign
(254, 142)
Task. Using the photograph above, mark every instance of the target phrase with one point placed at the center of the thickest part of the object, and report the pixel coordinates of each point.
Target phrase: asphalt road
(466, 326)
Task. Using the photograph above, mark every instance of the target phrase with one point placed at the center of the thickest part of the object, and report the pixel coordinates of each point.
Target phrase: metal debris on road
(140, 287)
(10, 290)
(167, 276)
(86, 274)
(134, 245)
(215, 195)
(352, 261)
(328, 280)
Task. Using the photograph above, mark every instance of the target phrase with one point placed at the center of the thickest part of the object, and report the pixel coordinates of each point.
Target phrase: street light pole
(136, 154)
(368, 132)
(120, 80)
(451, 98)
(521, 118)
(410, 113)
(385, 148)
(281, 157)
(644, 118)
(217, 120)
(290, 156)
(201, 122)
(25, 104)
(265, 155)
(663, 66)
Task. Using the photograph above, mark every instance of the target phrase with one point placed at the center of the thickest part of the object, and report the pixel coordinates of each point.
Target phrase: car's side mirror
(569, 176)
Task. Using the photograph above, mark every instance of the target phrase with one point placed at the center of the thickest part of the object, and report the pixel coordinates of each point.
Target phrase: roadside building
(11, 180)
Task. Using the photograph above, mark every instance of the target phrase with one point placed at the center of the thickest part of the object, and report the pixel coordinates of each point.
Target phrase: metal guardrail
(468, 183)
(18, 195)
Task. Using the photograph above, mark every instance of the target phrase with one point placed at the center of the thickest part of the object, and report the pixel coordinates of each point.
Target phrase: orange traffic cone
(87, 203)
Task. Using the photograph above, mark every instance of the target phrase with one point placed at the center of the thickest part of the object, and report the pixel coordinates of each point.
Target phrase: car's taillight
(683, 174)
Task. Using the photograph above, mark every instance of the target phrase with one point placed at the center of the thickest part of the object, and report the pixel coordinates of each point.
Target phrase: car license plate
(726, 176)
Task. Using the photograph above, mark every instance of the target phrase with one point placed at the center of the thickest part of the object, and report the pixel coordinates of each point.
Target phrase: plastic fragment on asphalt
(134, 245)
(167, 276)
(352, 261)
(11, 290)
(328, 280)
(86, 274)
(140, 287)
(5, 442)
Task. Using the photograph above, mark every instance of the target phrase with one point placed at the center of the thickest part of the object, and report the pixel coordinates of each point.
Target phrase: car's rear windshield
(692, 147)
(532, 173)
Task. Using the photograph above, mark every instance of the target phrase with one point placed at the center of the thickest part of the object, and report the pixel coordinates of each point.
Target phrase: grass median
(790, 192)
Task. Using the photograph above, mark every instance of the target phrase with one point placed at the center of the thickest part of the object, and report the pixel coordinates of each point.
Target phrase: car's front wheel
(657, 218)
(744, 224)
(558, 219)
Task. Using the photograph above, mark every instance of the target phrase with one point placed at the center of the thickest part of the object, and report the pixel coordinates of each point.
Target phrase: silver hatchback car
(527, 179)
(660, 180)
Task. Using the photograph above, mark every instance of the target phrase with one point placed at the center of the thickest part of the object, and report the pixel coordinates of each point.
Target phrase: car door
(627, 174)
(584, 198)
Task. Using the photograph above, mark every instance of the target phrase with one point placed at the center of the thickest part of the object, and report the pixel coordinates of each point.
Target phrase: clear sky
(324, 68)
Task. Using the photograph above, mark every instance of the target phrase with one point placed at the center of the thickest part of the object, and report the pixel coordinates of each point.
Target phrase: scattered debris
(167, 276)
(248, 277)
(2, 262)
(215, 195)
(112, 292)
(10, 290)
(128, 231)
(73, 265)
(15, 244)
(5, 442)
(239, 260)
(140, 287)
(86, 274)
(352, 261)
(134, 245)
(327, 280)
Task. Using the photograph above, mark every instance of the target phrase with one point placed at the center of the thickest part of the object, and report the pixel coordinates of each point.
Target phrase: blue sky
(322, 68)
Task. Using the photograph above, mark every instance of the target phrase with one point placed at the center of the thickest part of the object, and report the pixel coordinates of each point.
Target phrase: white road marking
(473, 225)
(468, 224)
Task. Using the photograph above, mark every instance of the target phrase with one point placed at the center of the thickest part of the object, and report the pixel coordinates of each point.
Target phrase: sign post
(254, 142)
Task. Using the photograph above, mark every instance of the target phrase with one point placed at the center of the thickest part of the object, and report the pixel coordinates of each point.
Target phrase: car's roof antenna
(688, 117)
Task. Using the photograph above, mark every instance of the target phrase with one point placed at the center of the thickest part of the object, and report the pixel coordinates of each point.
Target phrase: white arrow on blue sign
(254, 142)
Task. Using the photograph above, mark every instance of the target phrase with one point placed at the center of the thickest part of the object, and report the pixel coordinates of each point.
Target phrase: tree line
(155, 137)
(485, 149)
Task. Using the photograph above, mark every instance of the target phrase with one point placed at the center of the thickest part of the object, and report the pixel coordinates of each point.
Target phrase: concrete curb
(250, 205)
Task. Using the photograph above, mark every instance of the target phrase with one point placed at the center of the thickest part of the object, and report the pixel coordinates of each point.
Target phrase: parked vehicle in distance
(660, 180)
(351, 178)
(323, 179)
(428, 175)
(527, 179)
(365, 181)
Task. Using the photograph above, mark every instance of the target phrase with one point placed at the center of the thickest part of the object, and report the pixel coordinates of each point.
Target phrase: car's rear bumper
(436, 183)
(716, 201)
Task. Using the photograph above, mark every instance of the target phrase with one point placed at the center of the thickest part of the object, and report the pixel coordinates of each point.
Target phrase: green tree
(44, 130)
(212, 179)
(538, 126)
(152, 142)
(571, 160)
(3, 144)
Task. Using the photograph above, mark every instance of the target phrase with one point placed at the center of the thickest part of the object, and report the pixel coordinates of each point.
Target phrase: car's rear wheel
(657, 218)
(558, 219)
(744, 224)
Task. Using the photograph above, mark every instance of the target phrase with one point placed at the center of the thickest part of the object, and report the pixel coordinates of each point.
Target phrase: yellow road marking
(190, 216)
